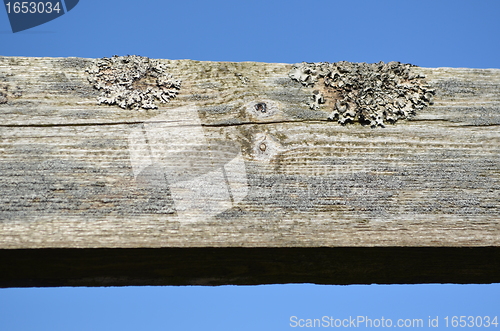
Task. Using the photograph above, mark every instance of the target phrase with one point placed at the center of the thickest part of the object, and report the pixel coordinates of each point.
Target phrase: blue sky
(422, 32)
(237, 307)
(425, 33)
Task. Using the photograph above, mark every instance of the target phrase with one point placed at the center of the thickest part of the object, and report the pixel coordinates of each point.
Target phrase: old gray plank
(67, 179)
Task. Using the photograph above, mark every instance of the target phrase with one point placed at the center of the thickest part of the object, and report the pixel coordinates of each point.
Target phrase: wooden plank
(78, 174)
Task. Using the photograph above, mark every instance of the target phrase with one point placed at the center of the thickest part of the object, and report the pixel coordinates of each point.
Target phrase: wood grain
(67, 180)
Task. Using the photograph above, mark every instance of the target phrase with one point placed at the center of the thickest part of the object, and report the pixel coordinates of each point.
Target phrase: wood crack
(46, 125)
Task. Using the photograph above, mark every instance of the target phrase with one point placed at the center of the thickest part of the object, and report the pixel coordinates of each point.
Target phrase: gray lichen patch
(132, 82)
(368, 93)
(318, 99)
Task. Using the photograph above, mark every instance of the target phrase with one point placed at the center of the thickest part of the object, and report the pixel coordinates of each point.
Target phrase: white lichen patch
(132, 82)
(368, 93)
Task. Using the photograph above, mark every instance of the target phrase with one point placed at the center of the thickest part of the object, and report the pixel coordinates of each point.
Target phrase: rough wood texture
(68, 181)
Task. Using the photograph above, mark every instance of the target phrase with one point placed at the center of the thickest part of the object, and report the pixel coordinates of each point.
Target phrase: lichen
(132, 82)
(368, 93)
(317, 99)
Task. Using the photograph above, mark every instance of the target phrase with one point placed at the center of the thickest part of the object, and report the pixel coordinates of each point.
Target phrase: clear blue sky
(425, 33)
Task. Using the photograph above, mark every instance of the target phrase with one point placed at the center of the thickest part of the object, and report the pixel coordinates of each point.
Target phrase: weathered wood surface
(317, 199)
(67, 180)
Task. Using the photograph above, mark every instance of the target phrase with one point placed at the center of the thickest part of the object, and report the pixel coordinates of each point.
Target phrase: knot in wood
(261, 106)
(263, 109)
(266, 147)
